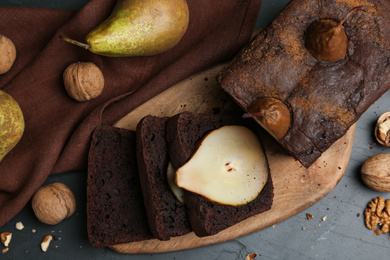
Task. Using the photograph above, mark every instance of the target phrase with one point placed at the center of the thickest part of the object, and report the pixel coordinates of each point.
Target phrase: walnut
(382, 129)
(7, 54)
(53, 203)
(375, 172)
(378, 213)
(83, 81)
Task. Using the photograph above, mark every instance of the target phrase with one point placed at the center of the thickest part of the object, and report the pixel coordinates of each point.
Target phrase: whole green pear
(138, 28)
(11, 123)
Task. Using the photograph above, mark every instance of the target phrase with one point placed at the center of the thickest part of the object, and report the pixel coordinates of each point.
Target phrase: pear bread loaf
(129, 197)
(115, 208)
(167, 216)
(315, 98)
(184, 131)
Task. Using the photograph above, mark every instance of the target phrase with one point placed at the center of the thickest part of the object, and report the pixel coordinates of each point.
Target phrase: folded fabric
(58, 128)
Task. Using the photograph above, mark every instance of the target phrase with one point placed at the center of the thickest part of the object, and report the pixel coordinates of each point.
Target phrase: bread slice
(184, 131)
(167, 216)
(115, 209)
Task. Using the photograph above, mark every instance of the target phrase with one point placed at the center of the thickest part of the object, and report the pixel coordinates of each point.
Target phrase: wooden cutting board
(295, 187)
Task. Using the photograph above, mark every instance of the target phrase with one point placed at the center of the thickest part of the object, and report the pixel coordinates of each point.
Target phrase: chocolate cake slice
(324, 98)
(115, 209)
(167, 216)
(184, 131)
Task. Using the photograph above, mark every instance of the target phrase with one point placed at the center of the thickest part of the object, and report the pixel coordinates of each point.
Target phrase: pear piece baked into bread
(167, 216)
(184, 131)
(323, 98)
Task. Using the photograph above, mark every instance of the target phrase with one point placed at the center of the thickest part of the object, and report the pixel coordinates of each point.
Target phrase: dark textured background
(342, 236)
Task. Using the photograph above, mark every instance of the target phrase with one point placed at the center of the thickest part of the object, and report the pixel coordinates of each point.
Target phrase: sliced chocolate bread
(115, 208)
(167, 216)
(184, 131)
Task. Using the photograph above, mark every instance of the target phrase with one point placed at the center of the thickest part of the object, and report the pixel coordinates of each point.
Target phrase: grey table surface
(341, 236)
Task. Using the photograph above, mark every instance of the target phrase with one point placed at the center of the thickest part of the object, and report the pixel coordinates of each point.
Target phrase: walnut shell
(375, 172)
(53, 203)
(83, 81)
(7, 54)
(382, 129)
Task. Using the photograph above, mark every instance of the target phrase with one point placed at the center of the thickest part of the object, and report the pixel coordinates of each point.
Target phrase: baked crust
(325, 99)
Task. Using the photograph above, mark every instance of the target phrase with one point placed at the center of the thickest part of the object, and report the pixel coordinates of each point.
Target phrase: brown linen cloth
(58, 129)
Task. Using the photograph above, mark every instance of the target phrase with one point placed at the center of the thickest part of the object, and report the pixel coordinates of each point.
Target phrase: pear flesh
(229, 167)
(138, 28)
(176, 190)
(11, 123)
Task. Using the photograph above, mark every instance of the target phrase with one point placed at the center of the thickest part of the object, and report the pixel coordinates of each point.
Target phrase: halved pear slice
(171, 176)
(229, 167)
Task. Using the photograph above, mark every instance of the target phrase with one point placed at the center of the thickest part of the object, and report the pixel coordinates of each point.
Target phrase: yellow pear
(11, 123)
(138, 28)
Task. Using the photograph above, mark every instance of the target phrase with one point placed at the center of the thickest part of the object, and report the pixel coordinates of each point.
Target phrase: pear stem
(250, 115)
(352, 11)
(74, 42)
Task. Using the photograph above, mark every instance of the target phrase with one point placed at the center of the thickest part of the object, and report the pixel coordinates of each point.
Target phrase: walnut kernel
(46, 242)
(19, 225)
(251, 256)
(382, 129)
(83, 81)
(378, 213)
(53, 203)
(6, 238)
(7, 54)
